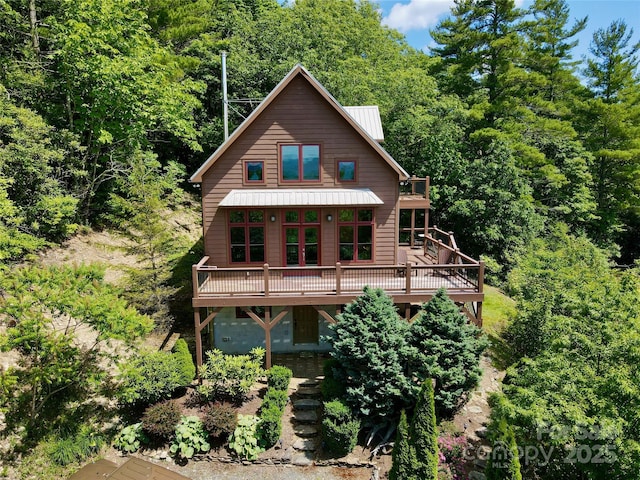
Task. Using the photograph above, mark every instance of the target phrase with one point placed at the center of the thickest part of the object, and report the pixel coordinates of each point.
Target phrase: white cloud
(417, 14)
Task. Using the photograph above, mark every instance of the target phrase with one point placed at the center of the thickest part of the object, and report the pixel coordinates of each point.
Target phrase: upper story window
(300, 163)
(254, 171)
(246, 236)
(346, 171)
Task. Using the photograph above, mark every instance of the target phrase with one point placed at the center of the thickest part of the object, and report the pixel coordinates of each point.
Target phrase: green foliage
(54, 369)
(276, 398)
(76, 448)
(331, 388)
(423, 434)
(504, 461)
(190, 438)
(340, 428)
(184, 362)
(220, 419)
(230, 376)
(447, 348)
(159, 421)
(578, 364)
(369, 344)
(270, 426)
(149, 378)
(130, 438)
(403, 459)
(278, 377)
(244, 440)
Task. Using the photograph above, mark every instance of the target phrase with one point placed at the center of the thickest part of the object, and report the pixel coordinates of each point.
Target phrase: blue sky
(414, 18)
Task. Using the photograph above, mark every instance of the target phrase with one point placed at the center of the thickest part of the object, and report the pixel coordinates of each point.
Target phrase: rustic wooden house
(301, 209)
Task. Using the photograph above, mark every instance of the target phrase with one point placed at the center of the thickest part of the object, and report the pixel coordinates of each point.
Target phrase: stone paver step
(305, 445)
(306, 416)
(305, 431)
(309, 383)
(306, 404)
(309, 392)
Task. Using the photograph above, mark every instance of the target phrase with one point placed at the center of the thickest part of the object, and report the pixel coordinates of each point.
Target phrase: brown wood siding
(299, 115)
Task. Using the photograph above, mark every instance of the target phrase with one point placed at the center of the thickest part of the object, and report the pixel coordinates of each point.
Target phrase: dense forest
(107, 106)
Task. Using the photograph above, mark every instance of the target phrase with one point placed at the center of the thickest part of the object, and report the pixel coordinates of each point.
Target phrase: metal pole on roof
(225, 100)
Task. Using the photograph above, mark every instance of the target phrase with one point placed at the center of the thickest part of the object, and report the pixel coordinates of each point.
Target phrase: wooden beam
(256, 318)
(325, 315)
(196, 320)
(210, 317)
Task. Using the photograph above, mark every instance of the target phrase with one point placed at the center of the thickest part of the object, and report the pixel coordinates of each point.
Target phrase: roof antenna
(225, 100)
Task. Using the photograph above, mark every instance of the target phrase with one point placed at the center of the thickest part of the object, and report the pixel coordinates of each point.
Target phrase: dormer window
(299, 163)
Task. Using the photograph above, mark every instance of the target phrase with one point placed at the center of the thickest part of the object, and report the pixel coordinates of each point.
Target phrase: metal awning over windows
(301, 197)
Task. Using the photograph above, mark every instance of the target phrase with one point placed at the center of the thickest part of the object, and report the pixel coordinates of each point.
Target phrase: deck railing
(415, 186)
(463, 274)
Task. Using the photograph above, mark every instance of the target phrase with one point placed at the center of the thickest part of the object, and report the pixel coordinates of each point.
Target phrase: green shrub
(423, 434)
(76, 448)
(244, 440)
(331, 387)
(277, 398)
(220, 419)
(130, 438)
(337, 411)
(184, 362)
(278, 377)
(230, 376)
(339, 428)
(160, 420)
(149, 378)
(270, 426)
(190, 438)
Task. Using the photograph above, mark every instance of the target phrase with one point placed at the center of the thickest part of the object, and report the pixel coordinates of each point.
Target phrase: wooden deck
(422, 271)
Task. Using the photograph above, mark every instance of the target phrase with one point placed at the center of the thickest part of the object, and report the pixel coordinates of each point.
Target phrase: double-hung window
(300, 163)
(246, 236)
(355, 226)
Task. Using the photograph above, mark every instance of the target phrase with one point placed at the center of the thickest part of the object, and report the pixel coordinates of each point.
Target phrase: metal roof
(368, 117)
(300, 197)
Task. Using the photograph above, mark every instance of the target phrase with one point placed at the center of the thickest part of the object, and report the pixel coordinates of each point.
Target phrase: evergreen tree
(423, 434)
(504, 461)
(447, 348)
(403, 457)
(369, 344)
(610, 126)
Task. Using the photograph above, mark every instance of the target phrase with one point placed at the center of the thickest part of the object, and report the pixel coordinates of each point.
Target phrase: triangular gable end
(295, 71)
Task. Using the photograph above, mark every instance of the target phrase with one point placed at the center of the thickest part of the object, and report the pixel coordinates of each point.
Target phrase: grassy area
(497, 311)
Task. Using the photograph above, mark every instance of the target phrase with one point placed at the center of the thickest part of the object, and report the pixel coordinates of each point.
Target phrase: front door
(305, 325)
(302, 238)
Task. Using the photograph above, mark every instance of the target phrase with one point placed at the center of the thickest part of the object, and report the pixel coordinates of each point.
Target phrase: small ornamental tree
(184, 362)
(403, 457)
(503, 462)
(423, 434)
(446, 347)
(369, 345)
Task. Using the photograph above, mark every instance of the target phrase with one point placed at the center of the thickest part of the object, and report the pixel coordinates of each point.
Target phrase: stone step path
(307, 402)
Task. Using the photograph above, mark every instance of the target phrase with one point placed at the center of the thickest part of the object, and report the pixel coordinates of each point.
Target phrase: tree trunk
(33, 18)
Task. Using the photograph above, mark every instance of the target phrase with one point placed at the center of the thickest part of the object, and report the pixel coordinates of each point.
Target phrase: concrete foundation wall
(239, 335)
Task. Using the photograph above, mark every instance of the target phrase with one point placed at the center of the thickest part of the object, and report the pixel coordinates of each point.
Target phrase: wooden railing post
(338, 275)
(194, 280)
(266, 279)
(481, 277)
(408, 278)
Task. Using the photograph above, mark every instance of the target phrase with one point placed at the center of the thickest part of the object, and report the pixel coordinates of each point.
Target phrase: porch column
(196, 319)
(267, 324)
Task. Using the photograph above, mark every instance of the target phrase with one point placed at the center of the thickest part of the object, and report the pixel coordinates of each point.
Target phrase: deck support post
(338, 277)
(201, 326)
(267, 324)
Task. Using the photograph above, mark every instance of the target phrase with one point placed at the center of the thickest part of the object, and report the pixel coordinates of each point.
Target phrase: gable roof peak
(298, 69)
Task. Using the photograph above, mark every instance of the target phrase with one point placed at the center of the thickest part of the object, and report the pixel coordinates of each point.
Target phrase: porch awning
(301, 197)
